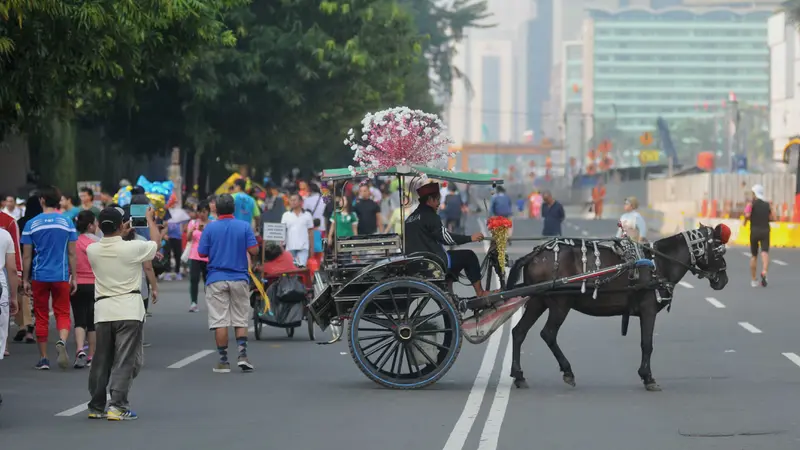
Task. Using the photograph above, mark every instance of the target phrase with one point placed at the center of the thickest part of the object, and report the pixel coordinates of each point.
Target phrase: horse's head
(702, 251)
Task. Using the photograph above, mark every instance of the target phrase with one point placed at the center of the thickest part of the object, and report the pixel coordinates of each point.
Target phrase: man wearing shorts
(759, 214)
(51, 274)
(226, 243)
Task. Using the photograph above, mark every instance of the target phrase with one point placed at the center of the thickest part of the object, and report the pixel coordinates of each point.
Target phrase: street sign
(274, 232)
(646, 139)
(649, 156)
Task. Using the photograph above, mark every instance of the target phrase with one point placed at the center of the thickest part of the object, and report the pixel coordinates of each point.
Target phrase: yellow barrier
(783, 235)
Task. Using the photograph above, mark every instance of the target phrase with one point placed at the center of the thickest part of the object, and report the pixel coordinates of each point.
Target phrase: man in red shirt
(23, 317)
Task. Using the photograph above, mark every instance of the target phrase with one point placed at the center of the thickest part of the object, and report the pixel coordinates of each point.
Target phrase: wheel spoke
(429, 318)
(394, 361)
(425, 332)
(378, 322)
(378, 305)
(420, 306)
(376, 336)
(412, 357)
(373, 344)
(377, 349)
(384, 358)
(374, 329)
(436, 344)
(394, 302)
(424, 353)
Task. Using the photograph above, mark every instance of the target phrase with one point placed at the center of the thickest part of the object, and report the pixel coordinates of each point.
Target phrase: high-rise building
(488, 102)
(640, 64)
(784, 48)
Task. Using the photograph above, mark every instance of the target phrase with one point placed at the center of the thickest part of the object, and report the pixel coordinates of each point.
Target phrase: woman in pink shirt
(197, 266)
(83, 299)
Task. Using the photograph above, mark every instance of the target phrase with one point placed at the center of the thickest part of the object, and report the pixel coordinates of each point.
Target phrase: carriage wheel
(310, 321)
(258, 305)
(289, 332)
(405, 333)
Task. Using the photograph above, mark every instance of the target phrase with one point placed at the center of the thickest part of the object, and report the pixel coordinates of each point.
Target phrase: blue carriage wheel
(405, 333)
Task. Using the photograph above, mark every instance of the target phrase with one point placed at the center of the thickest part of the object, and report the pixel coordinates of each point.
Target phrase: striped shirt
(50, 234)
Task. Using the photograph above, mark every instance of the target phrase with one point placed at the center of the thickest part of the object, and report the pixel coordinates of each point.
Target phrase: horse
(700, 251)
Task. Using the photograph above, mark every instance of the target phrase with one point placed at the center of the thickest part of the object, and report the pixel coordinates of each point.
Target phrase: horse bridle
(702, 245)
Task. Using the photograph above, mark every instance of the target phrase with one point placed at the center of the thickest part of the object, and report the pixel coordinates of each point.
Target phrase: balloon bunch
(160, 193)
(499, 226)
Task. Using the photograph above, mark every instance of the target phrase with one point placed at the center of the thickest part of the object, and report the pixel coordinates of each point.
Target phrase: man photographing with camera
(118, 312)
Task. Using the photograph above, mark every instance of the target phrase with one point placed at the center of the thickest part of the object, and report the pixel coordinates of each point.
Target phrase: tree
(61, 60)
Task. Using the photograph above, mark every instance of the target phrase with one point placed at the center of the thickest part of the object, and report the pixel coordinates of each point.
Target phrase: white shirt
(376, 194)
(117, 267)
(634, 225)
(297, 229)
(316, 205)
(16, 213)
(6, 248)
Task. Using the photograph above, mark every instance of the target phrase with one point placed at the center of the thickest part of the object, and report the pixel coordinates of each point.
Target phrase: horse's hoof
(520, 383)
(652, 387)
(569, 379)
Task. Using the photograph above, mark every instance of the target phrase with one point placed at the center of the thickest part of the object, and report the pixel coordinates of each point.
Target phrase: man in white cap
(759, 215)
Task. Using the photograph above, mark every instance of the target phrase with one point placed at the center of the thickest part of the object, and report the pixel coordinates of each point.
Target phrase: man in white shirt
(299, 230)
(315, 205)
(8, 285)
(118, 312)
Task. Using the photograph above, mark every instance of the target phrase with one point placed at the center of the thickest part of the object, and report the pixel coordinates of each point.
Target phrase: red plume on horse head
(722, 232)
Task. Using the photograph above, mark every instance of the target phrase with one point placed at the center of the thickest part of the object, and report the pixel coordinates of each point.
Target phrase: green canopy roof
(456, 177)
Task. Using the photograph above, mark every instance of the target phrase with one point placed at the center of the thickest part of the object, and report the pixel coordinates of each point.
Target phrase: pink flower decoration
(399, 137)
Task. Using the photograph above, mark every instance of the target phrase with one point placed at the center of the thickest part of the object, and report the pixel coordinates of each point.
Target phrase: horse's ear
(701, 225)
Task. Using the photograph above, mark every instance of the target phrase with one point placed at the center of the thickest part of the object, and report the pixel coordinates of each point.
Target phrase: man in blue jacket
(553, 215)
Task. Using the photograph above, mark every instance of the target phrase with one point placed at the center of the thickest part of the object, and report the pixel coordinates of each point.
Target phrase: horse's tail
(516, 269)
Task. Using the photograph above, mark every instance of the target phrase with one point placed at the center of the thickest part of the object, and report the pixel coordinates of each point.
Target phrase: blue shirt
(501, 206)
(553, 215)
(174, 230)
(244, 207)
(50, 234)
(225, 241)
(72, 213)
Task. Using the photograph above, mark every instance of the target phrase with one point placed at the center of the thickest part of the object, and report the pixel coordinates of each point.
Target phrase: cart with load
(281, 300)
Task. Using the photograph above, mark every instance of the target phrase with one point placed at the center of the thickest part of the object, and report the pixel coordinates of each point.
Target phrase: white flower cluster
(399, 137)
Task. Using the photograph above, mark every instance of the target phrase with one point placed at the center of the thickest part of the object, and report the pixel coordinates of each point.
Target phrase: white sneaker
(193, 308)
(754, 283)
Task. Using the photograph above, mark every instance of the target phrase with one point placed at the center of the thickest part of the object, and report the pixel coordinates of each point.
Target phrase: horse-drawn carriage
(405, 325)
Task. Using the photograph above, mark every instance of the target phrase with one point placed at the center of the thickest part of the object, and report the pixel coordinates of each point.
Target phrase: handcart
(263, 309)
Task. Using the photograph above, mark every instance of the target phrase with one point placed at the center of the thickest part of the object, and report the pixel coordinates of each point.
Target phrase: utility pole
(731, 129)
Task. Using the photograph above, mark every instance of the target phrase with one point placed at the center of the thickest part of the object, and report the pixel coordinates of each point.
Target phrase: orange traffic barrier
(704, 208)
(712, 213)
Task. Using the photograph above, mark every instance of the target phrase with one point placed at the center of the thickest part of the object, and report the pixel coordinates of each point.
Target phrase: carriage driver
(425, 233)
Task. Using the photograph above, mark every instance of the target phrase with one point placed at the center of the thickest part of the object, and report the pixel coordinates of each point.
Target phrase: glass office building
(673, 63)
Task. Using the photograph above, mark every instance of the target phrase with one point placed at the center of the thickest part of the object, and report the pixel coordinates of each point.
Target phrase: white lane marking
(585, 233)
(747, 254)
(792, 357)
(714, 302)
(190, 359)
(458, 436)
(77, 409)
(686, 285)
(779, 262)
(749, 327)
(494, 422)
(251, 329)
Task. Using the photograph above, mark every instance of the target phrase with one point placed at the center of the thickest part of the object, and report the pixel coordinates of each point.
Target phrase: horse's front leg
(533, 310)
(647, 319)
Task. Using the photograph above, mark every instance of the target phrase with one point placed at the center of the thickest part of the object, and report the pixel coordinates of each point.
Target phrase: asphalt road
(719, 356)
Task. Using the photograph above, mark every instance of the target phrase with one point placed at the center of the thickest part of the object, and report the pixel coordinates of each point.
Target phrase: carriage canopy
(439, 174)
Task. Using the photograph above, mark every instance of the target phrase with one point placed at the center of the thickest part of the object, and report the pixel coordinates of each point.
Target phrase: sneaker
(61, 351)
(80, 360)
(245, 364)
(764, 280)
(179, 277)
(194, 308)
(43, 364)
(19, 336)
(754, 283)
(88, 361)
(93, 414)
(222, 367)
(118, 414)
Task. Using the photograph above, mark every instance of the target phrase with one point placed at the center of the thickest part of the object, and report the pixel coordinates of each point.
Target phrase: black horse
(661, 265)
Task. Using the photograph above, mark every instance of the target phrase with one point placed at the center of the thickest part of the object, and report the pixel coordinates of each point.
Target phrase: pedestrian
(452, 209)
(228, 244)
(68, 207)
(9, 283)
(24, 317)
(759, 214)
(52, 236)
(553, 215)
(598, 197)
(368, 212)
(344, 221)
(83, 299)
(246, 207)
(175, 229)
(8, 223)
(118, 312)
(502, 206)
(86, 197)
(631, 222)
(299, 230)
(198, 266)
(314, 205)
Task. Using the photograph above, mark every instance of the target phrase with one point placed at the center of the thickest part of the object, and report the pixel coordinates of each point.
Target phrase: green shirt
(344, 223)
